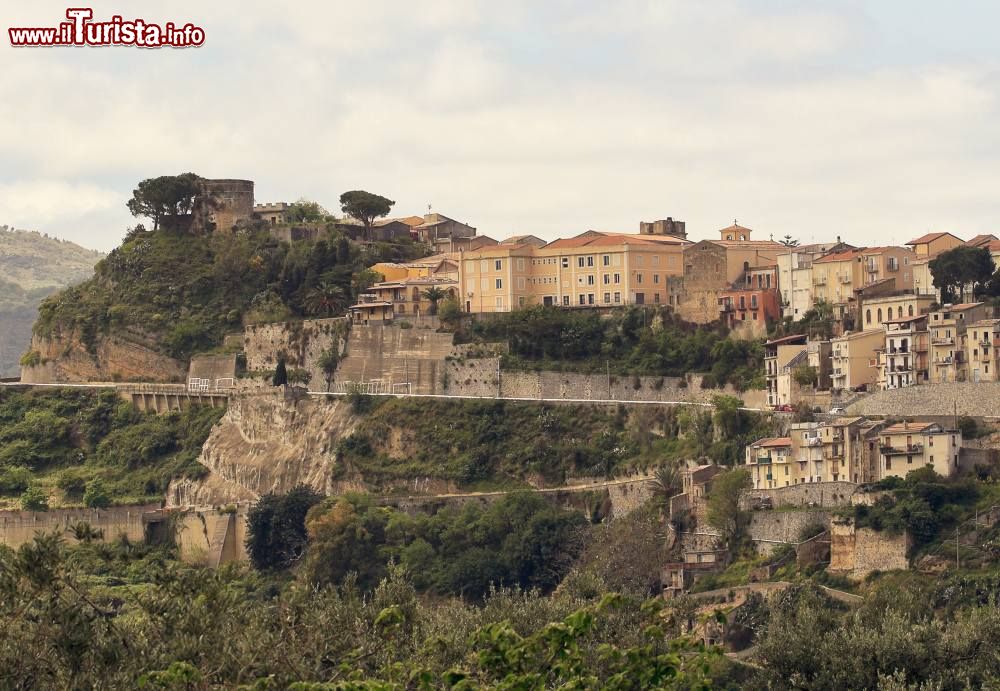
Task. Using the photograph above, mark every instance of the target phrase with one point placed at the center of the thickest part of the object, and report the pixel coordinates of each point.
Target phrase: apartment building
(932, 244)
(594, 269)
(908, 446)
(877, 311)
(838, 275)
(982, 343)
(948, 339)
(795, 275)
(770, 462)
(777, 354)
(903, 361)
(854, 359)
(409, 295)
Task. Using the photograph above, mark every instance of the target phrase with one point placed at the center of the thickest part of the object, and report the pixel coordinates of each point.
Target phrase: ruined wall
(267, 443)
(856, 552)
(478, 377)
(300, 343)
(824, 494)
(768, 529)
(65, 359)
(231, 202)
(967, 398)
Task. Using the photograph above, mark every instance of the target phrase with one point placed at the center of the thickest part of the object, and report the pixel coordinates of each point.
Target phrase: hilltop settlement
(359, 449)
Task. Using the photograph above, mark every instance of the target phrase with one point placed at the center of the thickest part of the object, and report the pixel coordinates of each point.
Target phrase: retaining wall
(769, 529)
(822, 494)
(963, 398)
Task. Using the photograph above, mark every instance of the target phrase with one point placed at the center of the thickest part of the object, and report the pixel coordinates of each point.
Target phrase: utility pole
(958, 563)
(608, 363)
(498, 377)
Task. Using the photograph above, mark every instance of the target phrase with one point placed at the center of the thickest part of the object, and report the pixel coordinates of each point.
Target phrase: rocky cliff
(265, 443)
(65, 357)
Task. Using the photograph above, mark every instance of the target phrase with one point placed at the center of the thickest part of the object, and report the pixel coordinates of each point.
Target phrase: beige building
(911, 445)
(876, 311)
(837, 276)
(777, 354)
(594, 269)
(982, 341)
(795, 275)
(947, 328)
(813, 452)
(409, 295)
(769, 462)
(854, 359)
(903, 360)
(932, 244)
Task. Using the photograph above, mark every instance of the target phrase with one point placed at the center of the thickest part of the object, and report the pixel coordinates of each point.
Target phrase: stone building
(777, 354)
(667, 226)
(274, 214)
(438, 226)
(903, 359)
(813, 452)
(224, 204)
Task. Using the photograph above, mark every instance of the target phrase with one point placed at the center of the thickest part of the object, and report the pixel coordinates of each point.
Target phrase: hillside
(168, 294)
(33, 266)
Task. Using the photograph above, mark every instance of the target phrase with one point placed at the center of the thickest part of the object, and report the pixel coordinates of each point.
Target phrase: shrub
(96, 495)
(31, 359)
(35, 499)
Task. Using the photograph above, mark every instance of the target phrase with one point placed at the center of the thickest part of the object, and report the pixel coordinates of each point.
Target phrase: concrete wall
(396, 355)
(823, 494)
(19, 527)
(478, 377)
(968, 398)
(858, 552)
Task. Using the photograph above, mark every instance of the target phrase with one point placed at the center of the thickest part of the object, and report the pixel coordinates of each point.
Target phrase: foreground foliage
(94, 448)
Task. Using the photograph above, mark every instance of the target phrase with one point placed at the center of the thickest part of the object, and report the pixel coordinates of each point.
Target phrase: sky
(873, 121)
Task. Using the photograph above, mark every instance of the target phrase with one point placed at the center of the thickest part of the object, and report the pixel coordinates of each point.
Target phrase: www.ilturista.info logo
(81, 31)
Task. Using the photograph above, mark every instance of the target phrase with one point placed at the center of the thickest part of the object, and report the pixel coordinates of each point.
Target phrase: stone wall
(19, 527)
(417, 356)
(769, 529)
(823, 494)
(300, 343)
(856, 552)
(965, 398)
(65, 359)
(478, 377)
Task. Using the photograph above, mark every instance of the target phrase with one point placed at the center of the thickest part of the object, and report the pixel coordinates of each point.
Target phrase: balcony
(947, 360)
(902, 450)
(815, 441)
(819, 280)
(844, 279)
(943, 341)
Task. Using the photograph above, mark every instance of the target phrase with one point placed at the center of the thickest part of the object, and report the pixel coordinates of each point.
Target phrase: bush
(34, 499)
(276, 528)
(96, 495)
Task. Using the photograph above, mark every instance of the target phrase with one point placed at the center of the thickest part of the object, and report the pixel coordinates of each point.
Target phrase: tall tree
(434, 294)
(167, 195)
(304, 211)
(724, 511)
(324, 300)
(280, 374)
(365, 207)
(961, 268)
(789, 241)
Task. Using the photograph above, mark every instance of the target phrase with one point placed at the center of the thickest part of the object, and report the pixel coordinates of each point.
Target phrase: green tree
(328, 361)
(276, 528)
(34, 499)
(805, 375)
(280, 377)
(96, 495)
(167, 195)
(789, 241)
(324, 300)
(450, 312)
(365, 207)
(666, 482)
(434, 294)
(960, 268)
(305, 211)
(724, 511)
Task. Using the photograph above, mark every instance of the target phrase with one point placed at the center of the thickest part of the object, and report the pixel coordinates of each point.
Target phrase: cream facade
(904, 359)
(854, 359)
(908, 446)
(813, 452)
(591, 270)
(777, 354)
(947, 328)
(983, 339)
(877, 311)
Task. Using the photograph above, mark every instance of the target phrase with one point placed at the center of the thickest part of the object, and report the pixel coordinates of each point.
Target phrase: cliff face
(63, 357)
(268, 443)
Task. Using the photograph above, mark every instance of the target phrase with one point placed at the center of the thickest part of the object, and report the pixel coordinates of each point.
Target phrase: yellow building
(983, 339)
(855, 359)
(409, 296)
(594, 269)
(777, 354)
(876, 311)
(948, 347)
(837, 276)
(911, 445)
(438, 265)
(932, 244)
(770, 462)
(813, 452)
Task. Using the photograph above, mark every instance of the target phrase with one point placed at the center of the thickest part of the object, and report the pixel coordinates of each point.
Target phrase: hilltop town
(336, 396)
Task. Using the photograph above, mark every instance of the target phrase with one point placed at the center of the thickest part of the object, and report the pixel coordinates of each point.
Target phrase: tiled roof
(983, 240)
(794, 338)
(962, 306)
(772, 442)
(904, 427)
(839, 256)
(602, 239)
(931, 237)
(736, 227)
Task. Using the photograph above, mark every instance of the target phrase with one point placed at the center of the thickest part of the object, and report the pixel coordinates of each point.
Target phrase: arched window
(868, 316)
(911, 311)
(879, 315)
(890, 314)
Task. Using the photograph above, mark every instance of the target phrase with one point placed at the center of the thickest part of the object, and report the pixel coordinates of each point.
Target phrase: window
(484, 265)
(656, 260)
(879, 315)
(606, 260)
(499, 284)
(590, 261)
(618, 278)
(520, 264)
(565, 262)
(520, 301)
(583, 299)
(618, 298)
(520, 283)
(484, 284)
(566, 300)
(656, 298)
(607, 298)
(590, 298)
(638, 278)
(656, 278)
(607, 279)
(499, 302)
(580, 262)
(638, 260)
(590, 280)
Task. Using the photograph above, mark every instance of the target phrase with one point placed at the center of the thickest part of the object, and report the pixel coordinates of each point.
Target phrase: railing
(901, 451)
(845, 279)
(198, 385)
(943, 341)
(819, 280)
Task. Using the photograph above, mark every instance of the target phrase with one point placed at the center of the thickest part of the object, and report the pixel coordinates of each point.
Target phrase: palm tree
(435, 295)
(665, 483)
(324, 300)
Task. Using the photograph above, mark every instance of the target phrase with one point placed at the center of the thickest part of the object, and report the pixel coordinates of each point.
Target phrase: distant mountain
(33, 266)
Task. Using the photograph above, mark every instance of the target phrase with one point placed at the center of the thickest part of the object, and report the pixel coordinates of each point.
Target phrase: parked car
(837, 410)
(783, 408)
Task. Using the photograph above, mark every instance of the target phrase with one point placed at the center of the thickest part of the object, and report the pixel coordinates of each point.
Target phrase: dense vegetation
(187, 290)
(633, 340)
(522, 541)
(486, 443)
(71, 447)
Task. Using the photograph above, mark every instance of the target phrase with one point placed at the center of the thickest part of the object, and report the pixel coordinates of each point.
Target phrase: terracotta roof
(750, 243)
(839, 256)
(377, 303)
(794, 338)
(904, 427)
(772, 442)
(735, 228)
(982, 240)
(903, 320)
(600, 239)
(931, 237)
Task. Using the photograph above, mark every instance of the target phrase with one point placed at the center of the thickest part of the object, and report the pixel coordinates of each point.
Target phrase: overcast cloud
(875, 121)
